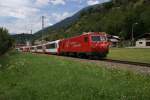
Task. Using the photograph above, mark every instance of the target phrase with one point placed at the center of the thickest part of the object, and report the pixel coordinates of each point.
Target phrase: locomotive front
(99, 44)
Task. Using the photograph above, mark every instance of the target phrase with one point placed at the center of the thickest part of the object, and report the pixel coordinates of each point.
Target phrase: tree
(5, 41)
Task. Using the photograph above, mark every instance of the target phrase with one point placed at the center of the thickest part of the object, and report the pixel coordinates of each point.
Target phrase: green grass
(43, 77)
(128, 54)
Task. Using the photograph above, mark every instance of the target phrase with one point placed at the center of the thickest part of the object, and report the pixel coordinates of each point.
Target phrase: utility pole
(132, 35)
(31, 31)
(43, 17)
(43, 22)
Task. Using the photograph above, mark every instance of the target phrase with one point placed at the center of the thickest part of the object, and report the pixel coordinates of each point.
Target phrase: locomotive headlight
(93, 47)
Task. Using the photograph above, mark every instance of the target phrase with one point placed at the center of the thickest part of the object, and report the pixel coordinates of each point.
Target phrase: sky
(22, 16)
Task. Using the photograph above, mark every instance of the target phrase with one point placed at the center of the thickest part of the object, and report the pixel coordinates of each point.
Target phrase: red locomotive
(87, 44)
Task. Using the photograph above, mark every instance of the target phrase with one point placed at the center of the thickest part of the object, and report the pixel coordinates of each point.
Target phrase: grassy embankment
(127, 54)
(43, 77)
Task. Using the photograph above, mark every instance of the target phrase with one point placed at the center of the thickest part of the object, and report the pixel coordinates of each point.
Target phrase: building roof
(114, 40)
(144, 36)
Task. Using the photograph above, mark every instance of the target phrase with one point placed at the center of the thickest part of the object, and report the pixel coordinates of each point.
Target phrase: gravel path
(134, 68)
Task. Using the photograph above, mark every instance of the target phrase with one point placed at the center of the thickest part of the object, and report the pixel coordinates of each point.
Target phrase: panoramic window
(39, 47)
(32, 48)
(51, 46)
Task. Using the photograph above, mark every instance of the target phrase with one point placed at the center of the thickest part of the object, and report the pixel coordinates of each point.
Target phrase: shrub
(5, 41)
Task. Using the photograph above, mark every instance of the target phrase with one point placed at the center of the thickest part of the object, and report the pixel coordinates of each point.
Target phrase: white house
(144, 42)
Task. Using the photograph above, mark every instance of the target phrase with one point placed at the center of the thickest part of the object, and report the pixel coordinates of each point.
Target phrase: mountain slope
(64, 24)
(115, 17)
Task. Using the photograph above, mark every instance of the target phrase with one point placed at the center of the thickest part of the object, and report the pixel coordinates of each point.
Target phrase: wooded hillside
(115, 17)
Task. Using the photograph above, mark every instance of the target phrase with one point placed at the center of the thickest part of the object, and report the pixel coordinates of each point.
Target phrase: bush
(5, 41)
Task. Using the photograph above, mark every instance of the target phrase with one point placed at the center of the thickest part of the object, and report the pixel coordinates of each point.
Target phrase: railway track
(118, 61)
(113, 61)
(127, 62)
(110, 63)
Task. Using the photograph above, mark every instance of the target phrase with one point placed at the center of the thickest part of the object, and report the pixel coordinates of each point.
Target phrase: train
(88, 44)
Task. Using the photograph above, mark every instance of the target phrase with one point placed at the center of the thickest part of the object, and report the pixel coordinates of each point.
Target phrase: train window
(85, 39)
(39, 47)
(32, 48)
(56, 45)
(96, 38)
(51, 46)
(47, 46)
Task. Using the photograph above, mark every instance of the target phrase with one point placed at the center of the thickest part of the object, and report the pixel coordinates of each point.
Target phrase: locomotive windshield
(98, 38)
(103, 38)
